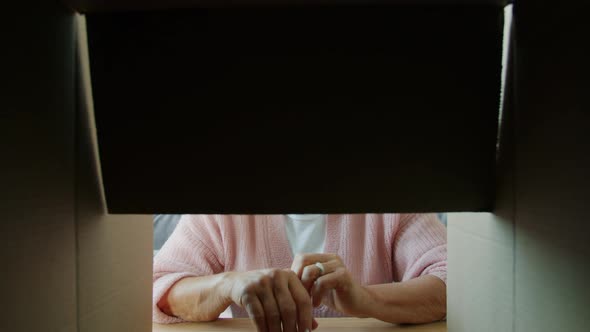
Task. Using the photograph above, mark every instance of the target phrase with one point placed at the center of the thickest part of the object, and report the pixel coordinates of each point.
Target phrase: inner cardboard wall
(114, 251)
(67, 265)
(525, 268)
(37, 224)
(481, 260)
(552, 167)
(66, 271)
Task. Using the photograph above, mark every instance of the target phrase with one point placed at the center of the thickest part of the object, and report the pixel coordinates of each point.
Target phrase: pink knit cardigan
(376, 248)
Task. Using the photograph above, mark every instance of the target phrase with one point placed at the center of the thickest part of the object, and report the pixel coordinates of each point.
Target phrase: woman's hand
(273, 298)
(333, 286)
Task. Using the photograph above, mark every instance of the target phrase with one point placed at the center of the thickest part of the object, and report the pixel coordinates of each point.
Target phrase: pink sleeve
(420, 247)
(193, 249)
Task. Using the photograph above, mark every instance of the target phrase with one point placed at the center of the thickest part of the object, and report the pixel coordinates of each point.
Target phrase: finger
(255, 311)
(314, 324)
(312, 272)
(285, 302)
(331, 266)
(301, 261)
(269, 304)
(303, 303)
(325, 284)
(309, 276)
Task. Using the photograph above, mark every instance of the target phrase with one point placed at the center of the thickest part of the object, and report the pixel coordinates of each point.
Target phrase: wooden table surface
(326, 325)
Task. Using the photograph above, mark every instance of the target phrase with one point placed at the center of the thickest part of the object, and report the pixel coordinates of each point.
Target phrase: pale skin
(275, 297)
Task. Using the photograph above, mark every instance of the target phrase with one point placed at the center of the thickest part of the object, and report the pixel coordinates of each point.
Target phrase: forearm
(198, 298)
(419, 300)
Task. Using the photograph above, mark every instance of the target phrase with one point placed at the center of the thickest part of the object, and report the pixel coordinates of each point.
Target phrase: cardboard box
(70, 266)
(524, 268)
(67, 264)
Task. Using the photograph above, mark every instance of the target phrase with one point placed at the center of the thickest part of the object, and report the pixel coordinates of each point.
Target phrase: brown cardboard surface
(38, 239)
(548, 207)
(553, 163)
(481, 245)
(67, 265)
(114, 251)
(480, 286)
(481, 254)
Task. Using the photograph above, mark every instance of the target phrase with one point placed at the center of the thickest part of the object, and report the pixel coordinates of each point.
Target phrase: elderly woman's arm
(190, 284)
(419, 259)
(272, 297)
(197, 299)
(419, 300)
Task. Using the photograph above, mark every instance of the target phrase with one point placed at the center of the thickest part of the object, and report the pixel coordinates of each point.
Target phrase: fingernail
(307, 330)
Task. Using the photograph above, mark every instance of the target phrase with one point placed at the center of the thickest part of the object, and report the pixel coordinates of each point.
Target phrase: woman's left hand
(333, 286)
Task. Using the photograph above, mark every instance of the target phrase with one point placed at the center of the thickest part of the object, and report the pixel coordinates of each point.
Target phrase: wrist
(199, 298)
(228, 283)
(367, 301)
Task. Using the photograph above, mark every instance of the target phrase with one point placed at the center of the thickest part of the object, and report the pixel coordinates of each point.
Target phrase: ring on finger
(321, 267)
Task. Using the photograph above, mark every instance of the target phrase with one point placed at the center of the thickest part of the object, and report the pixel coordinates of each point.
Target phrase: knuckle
(321, 285)
(305, 277)
(305, 271)
(250, 290)
(264, 280)
(336, 257)
(290, 274)
(279, 289)
(246, 300)
(275, 273)
(309, 270)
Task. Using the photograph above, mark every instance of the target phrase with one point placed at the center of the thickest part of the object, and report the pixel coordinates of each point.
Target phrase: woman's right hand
(273, 298)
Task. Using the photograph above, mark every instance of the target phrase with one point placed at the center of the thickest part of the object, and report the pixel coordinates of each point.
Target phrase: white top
(306, 232)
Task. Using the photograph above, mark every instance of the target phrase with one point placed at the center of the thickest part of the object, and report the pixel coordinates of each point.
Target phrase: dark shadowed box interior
(298, 108)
